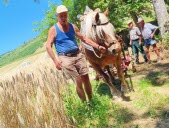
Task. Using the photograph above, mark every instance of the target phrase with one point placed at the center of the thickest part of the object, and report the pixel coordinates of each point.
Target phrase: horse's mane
(106, 29)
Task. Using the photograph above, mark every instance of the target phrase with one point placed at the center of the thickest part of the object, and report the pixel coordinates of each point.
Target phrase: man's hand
(58, 65)
(152, 35)
(130, 42)
(102, 49)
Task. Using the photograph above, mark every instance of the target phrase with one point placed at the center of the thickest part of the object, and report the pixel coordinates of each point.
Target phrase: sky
(16, 22)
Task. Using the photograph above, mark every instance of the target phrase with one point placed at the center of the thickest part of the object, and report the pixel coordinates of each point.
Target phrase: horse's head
(96, 26)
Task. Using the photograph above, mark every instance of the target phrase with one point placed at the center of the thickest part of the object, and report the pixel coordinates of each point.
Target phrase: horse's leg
(115, 93)
(124, 87)
(110, 73)
(115, 82)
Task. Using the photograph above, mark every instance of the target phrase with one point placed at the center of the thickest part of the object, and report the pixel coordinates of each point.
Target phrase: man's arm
(49, 44)
(153, 28)
(131, 42)
(139, 35)
(87, 40)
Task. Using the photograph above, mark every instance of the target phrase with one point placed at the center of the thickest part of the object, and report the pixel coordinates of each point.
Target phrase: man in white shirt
(148, 30)
(135, 41)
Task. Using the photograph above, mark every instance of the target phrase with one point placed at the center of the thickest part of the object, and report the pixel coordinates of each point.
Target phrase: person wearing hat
(135, 41)
(70, 59)
(148, 30)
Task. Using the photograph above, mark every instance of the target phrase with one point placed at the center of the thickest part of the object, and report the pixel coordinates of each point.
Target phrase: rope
(91, 49)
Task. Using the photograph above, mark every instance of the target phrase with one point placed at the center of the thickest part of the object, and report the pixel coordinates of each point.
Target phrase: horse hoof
(126, 98)
(124, 89)
(117, 98)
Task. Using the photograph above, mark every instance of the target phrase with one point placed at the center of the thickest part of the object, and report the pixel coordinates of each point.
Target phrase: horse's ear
(96, 19)
(78, 16)
(106, 12)
(87, 10)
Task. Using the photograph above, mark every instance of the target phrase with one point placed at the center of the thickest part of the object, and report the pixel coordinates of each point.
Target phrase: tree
(162, 15)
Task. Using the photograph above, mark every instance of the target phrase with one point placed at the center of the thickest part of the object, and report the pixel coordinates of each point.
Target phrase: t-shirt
(147, 30)
(134, 33)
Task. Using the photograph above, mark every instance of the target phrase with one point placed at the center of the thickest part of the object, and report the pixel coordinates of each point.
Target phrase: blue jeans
(137, 48)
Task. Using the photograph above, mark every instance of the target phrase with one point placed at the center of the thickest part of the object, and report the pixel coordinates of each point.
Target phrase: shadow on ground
(103, 89)
(160, 75)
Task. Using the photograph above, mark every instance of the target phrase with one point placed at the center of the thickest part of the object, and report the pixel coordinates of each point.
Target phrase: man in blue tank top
(70, 59)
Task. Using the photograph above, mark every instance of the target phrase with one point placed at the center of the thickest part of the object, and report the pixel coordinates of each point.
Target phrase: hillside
(33, 46)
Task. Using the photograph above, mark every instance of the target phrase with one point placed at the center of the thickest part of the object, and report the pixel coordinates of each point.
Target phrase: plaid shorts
(74, 66)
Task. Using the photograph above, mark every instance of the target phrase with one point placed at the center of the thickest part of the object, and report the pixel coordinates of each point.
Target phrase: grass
(147, 99)
(102, 113)
(25, 50)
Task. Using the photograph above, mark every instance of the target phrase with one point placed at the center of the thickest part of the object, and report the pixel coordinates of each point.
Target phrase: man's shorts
(74, 66)
(149, 42)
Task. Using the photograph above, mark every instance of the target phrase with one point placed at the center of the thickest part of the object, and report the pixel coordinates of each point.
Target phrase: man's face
(141, 23)
(130, 25)
(63, 18)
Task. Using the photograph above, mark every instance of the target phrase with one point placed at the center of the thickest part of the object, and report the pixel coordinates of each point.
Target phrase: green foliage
(100, 113)
(119, 11)
(166, 40)
(122, 10)
(25, 50)
(49, 20)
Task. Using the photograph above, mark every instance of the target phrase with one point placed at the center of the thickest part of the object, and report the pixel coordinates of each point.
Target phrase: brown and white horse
(96, 26)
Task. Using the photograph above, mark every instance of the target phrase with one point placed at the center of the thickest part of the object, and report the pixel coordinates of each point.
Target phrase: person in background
(135, 41)
(148, 30)
(70, 59)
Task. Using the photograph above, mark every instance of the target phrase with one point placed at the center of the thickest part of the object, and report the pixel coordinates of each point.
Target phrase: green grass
(25, 50)
(147, 99)
(102, 112)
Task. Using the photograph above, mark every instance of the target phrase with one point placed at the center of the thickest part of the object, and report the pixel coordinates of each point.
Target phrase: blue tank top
(65, 42)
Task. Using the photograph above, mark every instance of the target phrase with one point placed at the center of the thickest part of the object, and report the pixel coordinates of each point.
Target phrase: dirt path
(150, 71)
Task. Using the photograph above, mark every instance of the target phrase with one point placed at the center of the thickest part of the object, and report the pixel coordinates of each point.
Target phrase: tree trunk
(134, 17)
(162, 15)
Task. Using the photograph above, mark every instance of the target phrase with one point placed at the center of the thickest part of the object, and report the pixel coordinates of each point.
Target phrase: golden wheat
(34, 100)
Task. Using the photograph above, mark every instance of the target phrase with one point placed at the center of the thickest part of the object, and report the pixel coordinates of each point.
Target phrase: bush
(166, 41)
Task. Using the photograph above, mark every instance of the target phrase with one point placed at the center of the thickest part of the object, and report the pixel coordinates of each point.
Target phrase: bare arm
(49, 44)
(152, 35)
(140, 40)
(87, 40)
(139, 35)
(131, 42)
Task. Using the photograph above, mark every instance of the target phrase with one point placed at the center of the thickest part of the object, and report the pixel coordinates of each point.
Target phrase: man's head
(140, 21)
(130, 23)
(62, 14)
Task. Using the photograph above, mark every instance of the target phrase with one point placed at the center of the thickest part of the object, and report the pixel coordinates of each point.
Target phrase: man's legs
(147, 52)
(135, 51)
(156, 50)
(87, 86)
(79, 89)
(141, 50)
